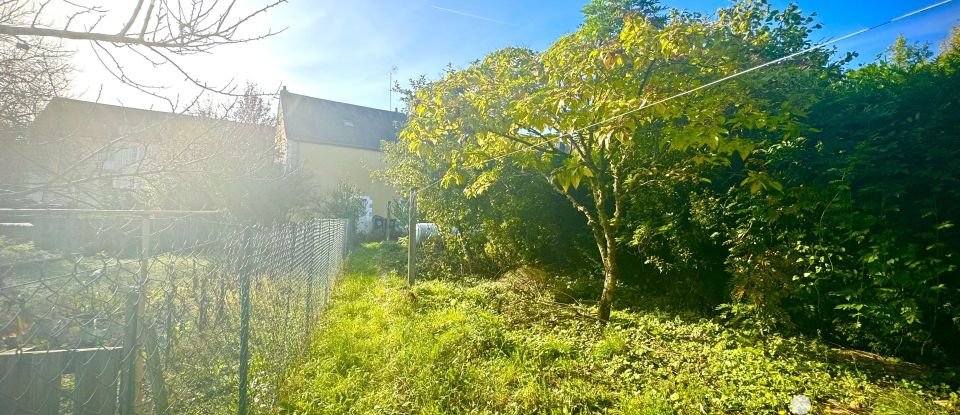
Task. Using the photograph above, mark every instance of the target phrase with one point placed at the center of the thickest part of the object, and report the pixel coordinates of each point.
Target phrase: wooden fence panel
(30, 382)
(98, 379)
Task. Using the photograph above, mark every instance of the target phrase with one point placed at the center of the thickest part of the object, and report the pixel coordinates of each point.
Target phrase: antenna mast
(393, 70)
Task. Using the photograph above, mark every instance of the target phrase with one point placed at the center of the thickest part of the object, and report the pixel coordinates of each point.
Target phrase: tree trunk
(610, 275)
(604, 229)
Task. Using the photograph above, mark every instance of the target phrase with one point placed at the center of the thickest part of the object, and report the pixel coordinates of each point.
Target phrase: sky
(344, 50)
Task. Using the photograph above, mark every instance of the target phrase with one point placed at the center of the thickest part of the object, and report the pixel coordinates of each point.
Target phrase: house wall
(99, 148)
(329, 165)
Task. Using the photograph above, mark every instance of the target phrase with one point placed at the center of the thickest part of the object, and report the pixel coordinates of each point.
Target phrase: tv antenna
(393, 70)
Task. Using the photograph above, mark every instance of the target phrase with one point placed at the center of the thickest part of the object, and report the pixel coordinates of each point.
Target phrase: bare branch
(194, 32)
(133, 17)
(167, 29)
(146, 20)
(36, 17)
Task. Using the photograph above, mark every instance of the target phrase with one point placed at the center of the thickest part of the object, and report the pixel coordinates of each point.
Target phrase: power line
(717, 81)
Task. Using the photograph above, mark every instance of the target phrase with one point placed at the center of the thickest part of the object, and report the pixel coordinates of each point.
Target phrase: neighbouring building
(334, 142)
(81, 154)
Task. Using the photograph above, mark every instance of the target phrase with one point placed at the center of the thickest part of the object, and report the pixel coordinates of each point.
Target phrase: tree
(903, 54)
(253, 106)
(34, 71)
(576, 116)
(951, 45)
(233, 166)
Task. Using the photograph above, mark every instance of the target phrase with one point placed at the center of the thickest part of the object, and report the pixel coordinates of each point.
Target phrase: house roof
(85, 119)
(315, 120)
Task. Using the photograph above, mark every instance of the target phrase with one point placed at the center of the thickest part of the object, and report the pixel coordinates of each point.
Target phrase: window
(129, 155)
(126, 183)
(125, 155)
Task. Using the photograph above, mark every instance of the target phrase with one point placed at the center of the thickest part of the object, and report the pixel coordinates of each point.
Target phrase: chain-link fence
(159, 312)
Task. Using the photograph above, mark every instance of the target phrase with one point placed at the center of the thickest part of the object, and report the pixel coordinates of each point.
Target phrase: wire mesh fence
(156, 314)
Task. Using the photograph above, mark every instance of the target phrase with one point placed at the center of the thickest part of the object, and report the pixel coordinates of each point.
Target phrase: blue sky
(343, 50)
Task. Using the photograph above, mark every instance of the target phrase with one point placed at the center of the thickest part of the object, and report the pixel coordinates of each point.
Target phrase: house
(334, 142)
(81, 154)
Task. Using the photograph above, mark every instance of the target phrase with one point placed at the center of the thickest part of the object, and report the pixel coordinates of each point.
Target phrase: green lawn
(505, 347)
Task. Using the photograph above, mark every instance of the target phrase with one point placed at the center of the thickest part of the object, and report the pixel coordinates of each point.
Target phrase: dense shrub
(860, 244)
(517, 221)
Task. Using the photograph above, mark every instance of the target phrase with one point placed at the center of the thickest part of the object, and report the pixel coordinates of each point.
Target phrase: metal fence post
(130, 395)
(129, 384)
(412, 239)
(329, 267)
(312, 231)
(146, 233)
(345, 237)
(244, 326)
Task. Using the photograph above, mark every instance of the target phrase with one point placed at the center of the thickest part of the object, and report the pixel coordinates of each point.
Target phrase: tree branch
(551, 149)
(133, 17)
(94, 36)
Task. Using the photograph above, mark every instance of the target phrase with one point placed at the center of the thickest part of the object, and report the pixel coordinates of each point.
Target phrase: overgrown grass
(502, 347)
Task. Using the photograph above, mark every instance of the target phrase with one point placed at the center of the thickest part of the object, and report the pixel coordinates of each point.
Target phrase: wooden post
(388, 222)
(412, 239)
